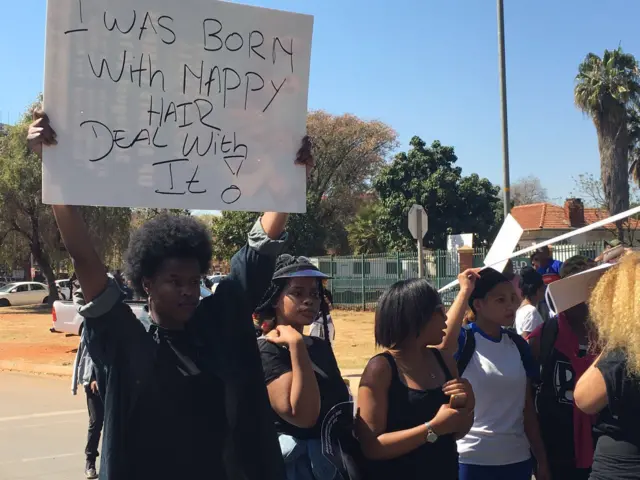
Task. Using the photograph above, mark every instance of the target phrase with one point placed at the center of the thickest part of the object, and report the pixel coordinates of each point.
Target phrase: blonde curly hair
(615, 309)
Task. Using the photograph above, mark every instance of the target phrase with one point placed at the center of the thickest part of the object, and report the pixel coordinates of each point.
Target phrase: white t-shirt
(528, 319)
(499, 382)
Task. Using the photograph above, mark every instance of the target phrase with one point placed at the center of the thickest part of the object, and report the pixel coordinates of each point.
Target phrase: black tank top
(409, 408)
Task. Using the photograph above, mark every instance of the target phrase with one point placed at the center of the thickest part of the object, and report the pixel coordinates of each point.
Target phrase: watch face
(431, 437)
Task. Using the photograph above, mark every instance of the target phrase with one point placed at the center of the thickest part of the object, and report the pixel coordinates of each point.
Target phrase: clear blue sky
(427, 68)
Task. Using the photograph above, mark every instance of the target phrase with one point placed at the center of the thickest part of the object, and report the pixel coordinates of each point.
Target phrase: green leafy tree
(363, 231)
(141, 215)
(454, 203)
(230, 233)
(26, 220)
(608, 89)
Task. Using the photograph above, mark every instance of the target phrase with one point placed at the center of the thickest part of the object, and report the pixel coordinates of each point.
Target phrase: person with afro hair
(184, 392)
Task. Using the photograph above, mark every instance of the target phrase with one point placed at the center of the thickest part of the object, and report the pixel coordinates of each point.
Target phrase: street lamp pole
(503, 104)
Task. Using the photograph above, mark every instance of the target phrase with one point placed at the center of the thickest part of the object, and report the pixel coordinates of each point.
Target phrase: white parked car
(23, 293)
(64, 288)
(66, 318)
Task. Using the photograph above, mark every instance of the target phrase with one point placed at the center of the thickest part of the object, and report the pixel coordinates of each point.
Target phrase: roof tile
(547, 216)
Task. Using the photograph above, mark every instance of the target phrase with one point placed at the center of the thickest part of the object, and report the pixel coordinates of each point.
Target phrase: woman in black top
(406, 426)
(302, 375)
(611, 386)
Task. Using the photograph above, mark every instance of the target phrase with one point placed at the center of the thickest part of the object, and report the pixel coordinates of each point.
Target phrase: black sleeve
(276, 360)
(110, 326)
(613, 366)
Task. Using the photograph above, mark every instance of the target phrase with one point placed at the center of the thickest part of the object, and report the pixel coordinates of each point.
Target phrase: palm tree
(608, 90)
(634, 145)
(363, 231)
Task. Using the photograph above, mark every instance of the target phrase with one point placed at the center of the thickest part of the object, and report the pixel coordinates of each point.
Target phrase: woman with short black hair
(412, 406)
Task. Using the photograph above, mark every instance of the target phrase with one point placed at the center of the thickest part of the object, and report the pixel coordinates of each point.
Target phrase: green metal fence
(359, 280)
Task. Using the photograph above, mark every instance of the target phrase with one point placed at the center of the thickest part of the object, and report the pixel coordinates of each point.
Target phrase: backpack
(469, 347)
(548, 336)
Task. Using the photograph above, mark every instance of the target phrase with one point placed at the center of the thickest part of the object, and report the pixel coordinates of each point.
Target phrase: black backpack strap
(467, 351)
(548, 336)
(523, 349)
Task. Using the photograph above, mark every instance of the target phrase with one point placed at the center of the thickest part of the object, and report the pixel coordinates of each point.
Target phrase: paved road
(42, 429)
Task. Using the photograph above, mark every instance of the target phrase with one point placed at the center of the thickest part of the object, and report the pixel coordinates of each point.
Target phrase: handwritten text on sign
(196, 104)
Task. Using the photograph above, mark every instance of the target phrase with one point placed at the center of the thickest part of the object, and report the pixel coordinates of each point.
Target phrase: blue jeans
(514, 471)
(303, 459)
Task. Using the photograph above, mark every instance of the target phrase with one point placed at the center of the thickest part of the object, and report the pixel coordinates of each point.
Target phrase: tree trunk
(41, 258)
(613, 143)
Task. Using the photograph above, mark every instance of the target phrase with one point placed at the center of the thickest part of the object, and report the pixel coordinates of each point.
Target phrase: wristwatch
(431, 435)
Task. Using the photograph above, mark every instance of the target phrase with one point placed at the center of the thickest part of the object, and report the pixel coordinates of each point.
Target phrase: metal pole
(503, 104)
(420, 252)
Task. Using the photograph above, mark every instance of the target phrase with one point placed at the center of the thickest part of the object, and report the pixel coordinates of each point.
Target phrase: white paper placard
(505, 243)
(198, 104)
(571, 291)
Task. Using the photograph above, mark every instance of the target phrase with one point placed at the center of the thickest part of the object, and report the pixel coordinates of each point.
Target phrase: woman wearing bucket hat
(303, 380)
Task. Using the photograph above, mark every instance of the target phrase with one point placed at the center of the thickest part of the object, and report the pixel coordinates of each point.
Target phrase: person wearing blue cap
(303, 380)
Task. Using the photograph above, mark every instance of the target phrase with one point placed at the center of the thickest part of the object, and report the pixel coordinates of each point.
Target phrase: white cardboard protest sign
(571, 291)
(198, 104)
(506, 241)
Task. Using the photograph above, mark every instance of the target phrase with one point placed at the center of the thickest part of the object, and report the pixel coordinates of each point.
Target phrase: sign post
(418, 226)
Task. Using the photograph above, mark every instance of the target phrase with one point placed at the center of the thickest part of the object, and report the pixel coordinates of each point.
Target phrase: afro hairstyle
(163, 237)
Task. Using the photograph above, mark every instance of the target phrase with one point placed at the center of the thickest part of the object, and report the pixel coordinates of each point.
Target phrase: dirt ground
(25, 337)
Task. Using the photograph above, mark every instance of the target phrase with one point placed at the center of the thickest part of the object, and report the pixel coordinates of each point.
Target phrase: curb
(37, 369)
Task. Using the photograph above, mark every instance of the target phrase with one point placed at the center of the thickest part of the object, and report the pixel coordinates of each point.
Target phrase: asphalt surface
(43, 428)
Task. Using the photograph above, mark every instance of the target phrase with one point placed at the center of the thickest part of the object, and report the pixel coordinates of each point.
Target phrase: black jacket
(222, 331)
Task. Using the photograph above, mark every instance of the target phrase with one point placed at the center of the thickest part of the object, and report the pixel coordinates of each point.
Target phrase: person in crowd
(184, 394)
(611, 385)
(412, 405)
(561, 348)
(85, 376)
(499, 365)
(301, 372)
(533, 288)
(543, 262)
(549, 269)
(609, 246)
